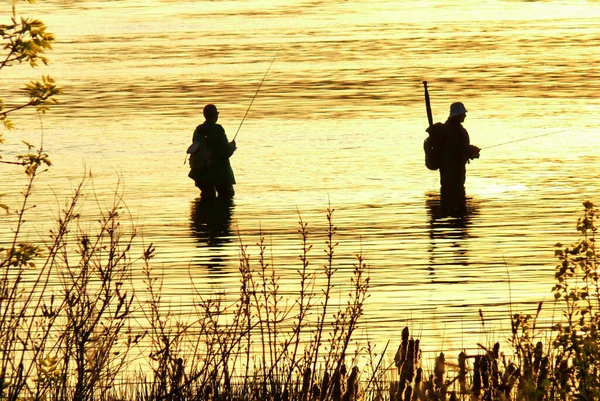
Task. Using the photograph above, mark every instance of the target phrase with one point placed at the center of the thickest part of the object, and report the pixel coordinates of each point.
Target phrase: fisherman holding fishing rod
(449, 149)
(210, 151)
(458, 151)
(209, 158)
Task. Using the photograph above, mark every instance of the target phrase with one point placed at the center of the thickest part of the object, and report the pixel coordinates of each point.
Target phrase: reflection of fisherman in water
(210, 220)
(448, 232)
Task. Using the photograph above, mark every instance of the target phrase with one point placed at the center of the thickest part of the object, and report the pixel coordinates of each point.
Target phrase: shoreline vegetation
(73, 327)
(83, 339)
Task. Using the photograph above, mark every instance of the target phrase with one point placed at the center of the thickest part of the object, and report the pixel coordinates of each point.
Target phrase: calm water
(339, 121)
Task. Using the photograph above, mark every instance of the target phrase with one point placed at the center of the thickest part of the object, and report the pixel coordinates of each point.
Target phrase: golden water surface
(338, 122)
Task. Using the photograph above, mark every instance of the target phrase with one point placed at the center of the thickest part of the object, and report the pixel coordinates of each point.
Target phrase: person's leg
(225, 191)
(207, 189)
(452, 191)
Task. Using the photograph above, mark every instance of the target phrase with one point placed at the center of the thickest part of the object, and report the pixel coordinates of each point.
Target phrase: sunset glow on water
(339, 122)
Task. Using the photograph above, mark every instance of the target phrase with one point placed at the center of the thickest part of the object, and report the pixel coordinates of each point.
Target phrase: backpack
(200, 155)
(434, 146)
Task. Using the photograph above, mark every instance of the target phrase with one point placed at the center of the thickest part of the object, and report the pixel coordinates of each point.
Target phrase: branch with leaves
(25, 40)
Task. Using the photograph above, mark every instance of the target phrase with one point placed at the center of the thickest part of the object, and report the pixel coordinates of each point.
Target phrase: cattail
(496, 350)
(538, 354)
(215, 388)
(439, 371)
(485, 371)
(408, 371)
(393, 391)
(316, 391)
(305, 384)
(208, 393)
(417, 387)
(401, 353)
(226, 377)
(417, 352)
(563, 374)
(400, 390)
(543, 373)
(325, 385)
(511, 379)
(408, 394)
(477, 375)
(462, 371)
(410, 361)
(337, 386)
(350, 393)
(494, 368)
(179, 372)
(428, 387)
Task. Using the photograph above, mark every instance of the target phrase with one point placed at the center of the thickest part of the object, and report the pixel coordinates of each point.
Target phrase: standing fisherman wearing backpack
(212, 174)
(457, 152)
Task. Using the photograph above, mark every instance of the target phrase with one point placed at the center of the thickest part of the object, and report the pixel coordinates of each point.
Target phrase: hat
(210, 111)
(457, 109)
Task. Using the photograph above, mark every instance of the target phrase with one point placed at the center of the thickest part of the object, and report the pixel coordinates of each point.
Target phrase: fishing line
(524, 139)
(256, 93)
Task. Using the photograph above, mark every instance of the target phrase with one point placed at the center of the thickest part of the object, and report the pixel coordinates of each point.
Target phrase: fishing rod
(256, 93)
(428, 104)
(524, 139)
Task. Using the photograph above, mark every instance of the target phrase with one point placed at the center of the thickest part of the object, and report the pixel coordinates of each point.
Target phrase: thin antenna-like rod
(255, 94)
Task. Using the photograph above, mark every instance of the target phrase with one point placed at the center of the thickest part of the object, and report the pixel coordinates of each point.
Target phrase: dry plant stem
(265, 296)
(69, 216)
(278, 314)
(304, 300)
(376, 371)
(97, 306)
(245, 273)
(346, 322)
(163, 340)
(329, 272)
(15, 301)
(261, 306)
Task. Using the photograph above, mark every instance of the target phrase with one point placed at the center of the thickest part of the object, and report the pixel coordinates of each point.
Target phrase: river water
(338, 122)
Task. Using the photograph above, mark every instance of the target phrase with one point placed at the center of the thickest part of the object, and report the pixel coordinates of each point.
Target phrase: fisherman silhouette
(456, 153)
(215, 176)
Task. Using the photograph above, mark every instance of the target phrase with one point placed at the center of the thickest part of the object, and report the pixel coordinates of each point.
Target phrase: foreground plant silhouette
(577, 344)
(73, 341)
(262, 346)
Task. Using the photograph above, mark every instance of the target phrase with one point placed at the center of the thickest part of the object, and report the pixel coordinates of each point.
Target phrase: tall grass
(261, 346)
(70, 327)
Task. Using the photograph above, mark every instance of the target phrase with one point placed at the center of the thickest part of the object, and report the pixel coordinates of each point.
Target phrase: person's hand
(475, 152)
(232, 146)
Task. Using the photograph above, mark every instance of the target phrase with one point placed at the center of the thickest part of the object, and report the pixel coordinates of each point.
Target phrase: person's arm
(221, 145)
(465, 145)
(232, 147)
(227, 147)
(471, 151)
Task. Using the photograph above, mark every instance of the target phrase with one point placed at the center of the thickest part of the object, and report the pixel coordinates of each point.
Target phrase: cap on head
(210, 111)
(457, 109)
